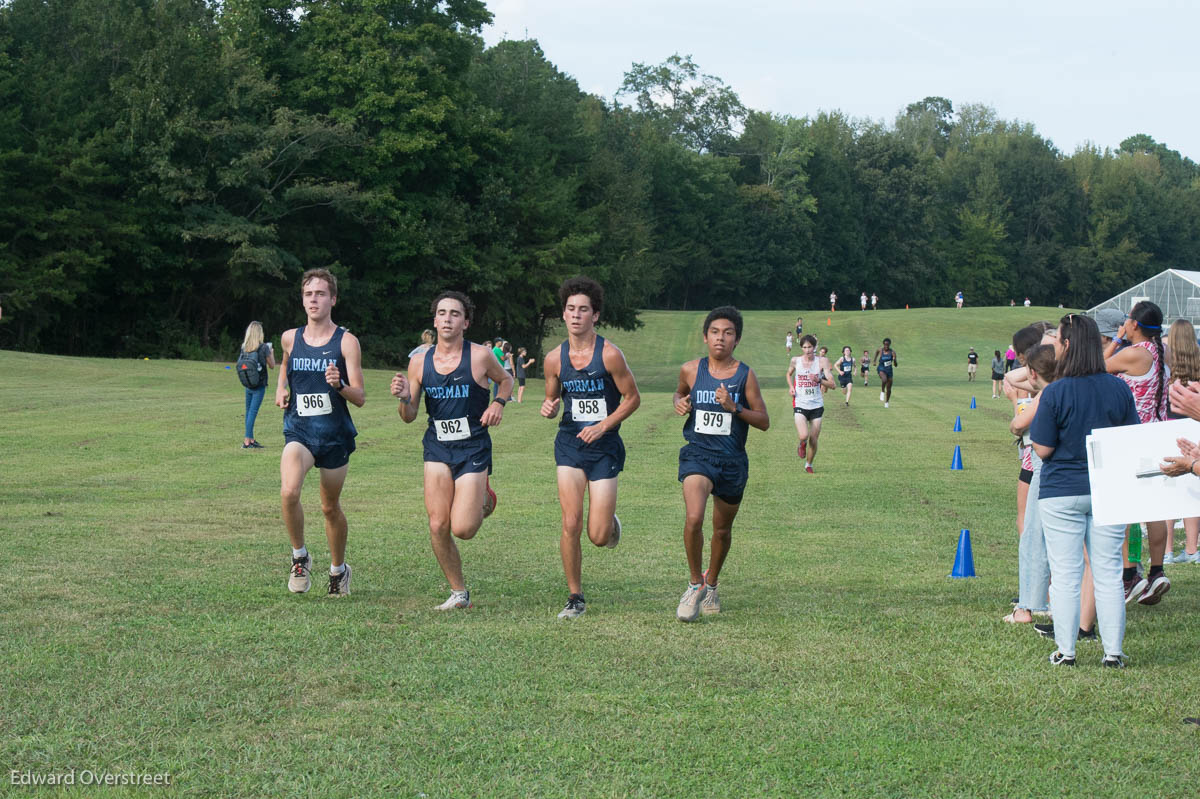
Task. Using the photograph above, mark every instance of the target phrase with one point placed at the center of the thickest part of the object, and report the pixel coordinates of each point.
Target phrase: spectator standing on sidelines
(255, 350)
(1082, 399)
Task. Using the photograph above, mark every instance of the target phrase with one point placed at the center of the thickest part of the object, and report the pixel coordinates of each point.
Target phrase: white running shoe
(298, 579)
(614, 537)
(459, 600)
(887, 404)
(711, 604)
(881, 396)
(689, 603)
(575, 607)
(339, 584)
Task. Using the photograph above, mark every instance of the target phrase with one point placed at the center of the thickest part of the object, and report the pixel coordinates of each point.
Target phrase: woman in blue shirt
(1083, 399)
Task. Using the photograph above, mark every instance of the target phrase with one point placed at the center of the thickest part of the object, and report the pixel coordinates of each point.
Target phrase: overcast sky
(1081, 72)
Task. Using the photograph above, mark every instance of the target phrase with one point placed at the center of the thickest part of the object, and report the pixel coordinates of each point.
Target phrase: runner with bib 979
(721, 399)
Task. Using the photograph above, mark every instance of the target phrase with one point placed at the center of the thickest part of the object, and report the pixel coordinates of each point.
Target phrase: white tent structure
(1175, 291)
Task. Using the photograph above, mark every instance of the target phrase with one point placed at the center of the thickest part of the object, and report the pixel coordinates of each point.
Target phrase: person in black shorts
(866, 365)
(845, 371)
(721, 399)
(321, 371)
(799, 327)
(522, 362)
(454, 377)
(589, 377)
(885, 359)
(972, 365)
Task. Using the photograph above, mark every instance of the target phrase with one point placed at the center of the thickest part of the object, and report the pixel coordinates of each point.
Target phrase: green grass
(147, 627)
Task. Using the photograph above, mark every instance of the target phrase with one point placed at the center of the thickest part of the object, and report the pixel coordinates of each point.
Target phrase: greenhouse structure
(1175, 291)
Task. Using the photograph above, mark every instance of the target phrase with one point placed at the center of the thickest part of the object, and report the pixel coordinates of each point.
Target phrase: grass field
(145, 625)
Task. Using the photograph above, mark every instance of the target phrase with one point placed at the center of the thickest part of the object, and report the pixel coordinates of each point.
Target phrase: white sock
(336, 570)
(808, 463)
(299, 553)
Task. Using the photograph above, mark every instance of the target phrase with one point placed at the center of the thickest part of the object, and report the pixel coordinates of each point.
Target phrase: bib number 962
(452, 429)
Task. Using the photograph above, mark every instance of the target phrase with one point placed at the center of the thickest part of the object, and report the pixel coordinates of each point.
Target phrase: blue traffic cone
(956, 461)
(964, 561)
(972, 403)
(958, 424)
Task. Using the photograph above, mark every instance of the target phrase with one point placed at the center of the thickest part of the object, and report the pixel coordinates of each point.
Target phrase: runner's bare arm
(754, 409)
(827, 374)
(791, 375)
(281, 385)
(682, 398)
(495, 372)
(408, 410)
(349, 385)
(631, 398)
(553, 385)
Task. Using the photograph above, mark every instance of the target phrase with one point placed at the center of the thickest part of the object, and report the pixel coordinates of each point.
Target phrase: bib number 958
(589, 410)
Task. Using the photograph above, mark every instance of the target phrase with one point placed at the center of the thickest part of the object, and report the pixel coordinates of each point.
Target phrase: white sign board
(1117, 455)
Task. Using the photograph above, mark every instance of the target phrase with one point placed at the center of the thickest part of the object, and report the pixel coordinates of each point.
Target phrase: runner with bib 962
(721, 399)
(454, 376)
(321, 372)
(589, 377)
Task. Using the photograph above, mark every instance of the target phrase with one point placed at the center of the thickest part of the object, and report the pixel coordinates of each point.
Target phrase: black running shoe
(575, 607)
(1047, 631)
(1059, 659)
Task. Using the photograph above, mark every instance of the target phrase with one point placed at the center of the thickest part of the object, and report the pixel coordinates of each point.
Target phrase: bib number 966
(313, 404)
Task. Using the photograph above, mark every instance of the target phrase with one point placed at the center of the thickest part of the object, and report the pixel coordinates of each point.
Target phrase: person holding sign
(807, 374)
(721, 399)
(454, 376)
(322, 371)
(589, 377)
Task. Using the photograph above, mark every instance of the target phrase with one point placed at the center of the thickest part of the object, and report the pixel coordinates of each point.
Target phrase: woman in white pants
(1083, 398)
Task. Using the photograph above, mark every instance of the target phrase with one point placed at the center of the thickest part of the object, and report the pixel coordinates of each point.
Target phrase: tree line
(170, 167)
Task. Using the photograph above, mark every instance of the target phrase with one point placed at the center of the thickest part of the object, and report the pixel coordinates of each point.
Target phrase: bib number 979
(714, 423)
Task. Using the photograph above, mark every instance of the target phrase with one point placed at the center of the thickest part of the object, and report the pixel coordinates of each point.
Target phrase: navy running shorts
(465, 457)
(810, 413)
(845, 380)
(599, 460)
(886, 372)
(326, 454)
(728, 473)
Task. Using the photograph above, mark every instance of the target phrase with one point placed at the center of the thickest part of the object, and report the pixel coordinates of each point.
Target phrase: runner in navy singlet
(589, 377)
(885, 358)
(845, 369)
(321, 371)
(454, 376)
(720, 398)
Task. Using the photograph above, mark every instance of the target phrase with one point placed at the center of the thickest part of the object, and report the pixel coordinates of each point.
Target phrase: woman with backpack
(255, 358)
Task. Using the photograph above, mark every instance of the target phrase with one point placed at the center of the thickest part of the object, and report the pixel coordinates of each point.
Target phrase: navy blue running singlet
(316, 413)
(709, 425)
(454, 402)
(588, 394)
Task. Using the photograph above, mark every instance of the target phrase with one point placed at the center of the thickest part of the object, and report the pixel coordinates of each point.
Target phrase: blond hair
(427, 336)
(254, 337)
(1184, 352)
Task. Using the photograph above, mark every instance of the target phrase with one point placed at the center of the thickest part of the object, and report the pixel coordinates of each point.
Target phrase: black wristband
(501, 400)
